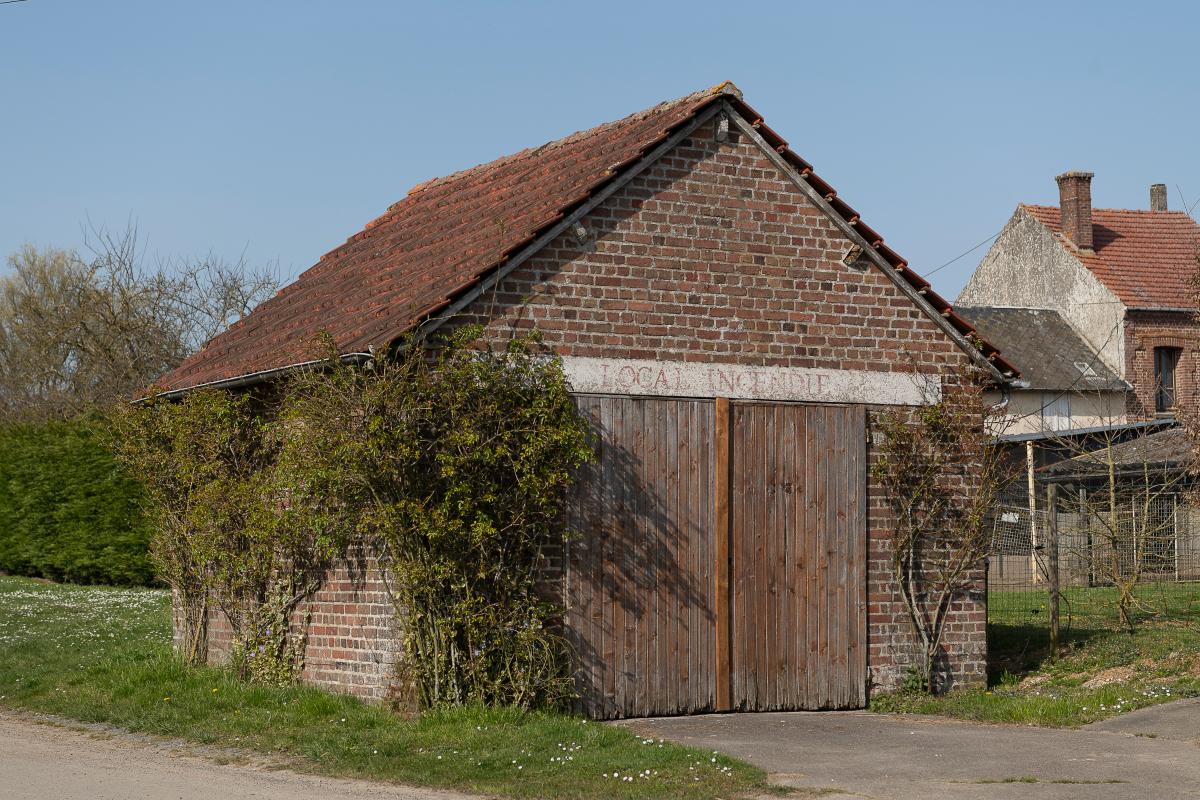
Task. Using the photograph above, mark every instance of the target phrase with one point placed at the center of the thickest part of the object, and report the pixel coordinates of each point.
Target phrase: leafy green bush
(68, 512)
(450, 461)
(457, 460)
(208, 465)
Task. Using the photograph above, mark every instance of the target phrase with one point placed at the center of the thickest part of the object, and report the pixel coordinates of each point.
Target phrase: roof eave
(253, 378)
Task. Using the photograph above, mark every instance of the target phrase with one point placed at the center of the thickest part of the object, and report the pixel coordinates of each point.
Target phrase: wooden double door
(720, 562)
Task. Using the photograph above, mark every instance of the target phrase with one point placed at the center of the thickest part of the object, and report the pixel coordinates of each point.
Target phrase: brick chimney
(1158, 197)
(1075, 202)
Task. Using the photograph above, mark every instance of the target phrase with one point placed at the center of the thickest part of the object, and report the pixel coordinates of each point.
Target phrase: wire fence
(1092, 550)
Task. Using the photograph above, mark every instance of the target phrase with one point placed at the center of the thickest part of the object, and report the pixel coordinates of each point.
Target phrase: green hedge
(67, 511)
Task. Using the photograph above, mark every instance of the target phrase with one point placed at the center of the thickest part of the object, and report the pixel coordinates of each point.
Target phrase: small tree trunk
(193, 613)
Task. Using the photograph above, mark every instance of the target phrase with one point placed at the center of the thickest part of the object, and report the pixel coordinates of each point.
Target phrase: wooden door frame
(723, 520)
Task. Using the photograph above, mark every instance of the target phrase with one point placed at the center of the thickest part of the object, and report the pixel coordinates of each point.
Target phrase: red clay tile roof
(1146, 258)
(449, 233)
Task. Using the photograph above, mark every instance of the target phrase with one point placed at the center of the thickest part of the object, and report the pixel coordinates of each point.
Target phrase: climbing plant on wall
(941, 473)
(454, 462)
(226, 533)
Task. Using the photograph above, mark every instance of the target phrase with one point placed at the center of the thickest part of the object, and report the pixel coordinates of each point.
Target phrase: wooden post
(722, 522)
(1085, 519)
(1175, 530)
(1052, 562)
(1035, 541)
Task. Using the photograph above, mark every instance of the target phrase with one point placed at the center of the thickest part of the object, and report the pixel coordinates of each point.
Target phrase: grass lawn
(1102, 671)
(103, 655)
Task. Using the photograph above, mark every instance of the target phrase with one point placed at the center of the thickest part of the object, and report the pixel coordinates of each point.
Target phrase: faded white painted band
(690, 379)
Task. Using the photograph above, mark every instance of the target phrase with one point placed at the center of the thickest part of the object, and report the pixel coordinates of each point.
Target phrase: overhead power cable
(963, 255)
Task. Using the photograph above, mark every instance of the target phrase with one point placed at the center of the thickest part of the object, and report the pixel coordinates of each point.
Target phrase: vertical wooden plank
(707, 569)
(611, 498)
(663, 693)
(690, 612)
(794, 490)
(816, 589)
(681, 659)
(575, 553)
(744, 548)
(784, 414)
(707, 563)
(589, 588)
(831, 479)
(587, 549)
(665, 687)
(769, 675)
(845, 592)
(722, 530)
(635, 566)
(702, 690)
(859, 557)
(837, 562)
(737, 569)
(636, 645)
(636, 535)
(759, 437)
(827, 512)
(816, 521)
(797, 562)
(618, 513)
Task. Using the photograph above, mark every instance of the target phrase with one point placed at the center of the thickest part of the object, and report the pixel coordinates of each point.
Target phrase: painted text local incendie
(689, 379)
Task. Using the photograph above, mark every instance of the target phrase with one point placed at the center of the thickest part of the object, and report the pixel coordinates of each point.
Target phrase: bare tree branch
(83, 331)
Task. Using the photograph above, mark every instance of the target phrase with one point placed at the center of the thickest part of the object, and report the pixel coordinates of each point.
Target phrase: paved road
(918, 758)
(1152, 753)
(38, 762)
(1179, 721)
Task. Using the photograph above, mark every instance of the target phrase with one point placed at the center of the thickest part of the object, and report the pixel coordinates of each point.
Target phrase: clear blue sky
(280, 128)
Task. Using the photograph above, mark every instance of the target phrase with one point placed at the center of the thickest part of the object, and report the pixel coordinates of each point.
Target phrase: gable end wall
(1028, 266)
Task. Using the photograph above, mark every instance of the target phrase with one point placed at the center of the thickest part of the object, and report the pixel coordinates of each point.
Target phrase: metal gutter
(1129, 426)
(1100, 475)
(256, 377)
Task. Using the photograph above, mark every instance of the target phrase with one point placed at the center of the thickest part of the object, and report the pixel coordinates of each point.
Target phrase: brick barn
(731, 326)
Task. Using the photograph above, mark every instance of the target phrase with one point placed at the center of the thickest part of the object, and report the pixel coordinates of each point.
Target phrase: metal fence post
(1052, 562)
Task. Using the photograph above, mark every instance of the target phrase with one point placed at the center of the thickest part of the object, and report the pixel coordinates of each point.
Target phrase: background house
(1064, 384)
(1121, 279)
(1096, 308)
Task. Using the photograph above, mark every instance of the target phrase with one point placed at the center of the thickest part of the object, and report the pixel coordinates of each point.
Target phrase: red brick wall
(353, 636)
(1145, 331)
(891, 644)
(712, 256)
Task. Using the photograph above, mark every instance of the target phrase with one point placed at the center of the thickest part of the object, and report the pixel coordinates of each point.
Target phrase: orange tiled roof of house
(1146, 258)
